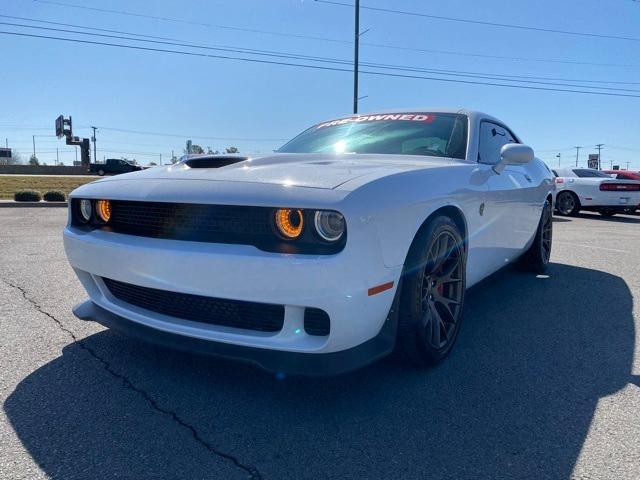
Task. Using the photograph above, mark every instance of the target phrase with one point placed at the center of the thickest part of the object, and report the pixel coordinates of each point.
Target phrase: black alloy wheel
(432, 295)
(537, 257)
(567, 204)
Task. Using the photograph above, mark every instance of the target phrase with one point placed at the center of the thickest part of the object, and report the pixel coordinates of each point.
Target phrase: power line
(485, 23)
(270, 53)
(190, 22)
(319, 67)
(239, 139)
(309, 37)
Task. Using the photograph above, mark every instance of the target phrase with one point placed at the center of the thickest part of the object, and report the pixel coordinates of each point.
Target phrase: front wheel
(101, 172)
(432, 295)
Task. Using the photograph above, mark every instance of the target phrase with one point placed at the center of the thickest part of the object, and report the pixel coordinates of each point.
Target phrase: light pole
(356, 55)
(558, 156)
(577, 154)
(95, 155)
(33, 138)
(599, 147)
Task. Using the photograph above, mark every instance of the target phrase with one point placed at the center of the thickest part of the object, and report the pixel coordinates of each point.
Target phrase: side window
(492, 138)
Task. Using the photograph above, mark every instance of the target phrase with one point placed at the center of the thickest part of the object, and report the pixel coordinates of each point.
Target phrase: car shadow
(558, 219)
(514, 399)
(619, 218)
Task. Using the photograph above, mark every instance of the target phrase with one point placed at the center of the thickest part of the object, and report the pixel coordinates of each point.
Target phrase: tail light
(559, 180)
(620, 187)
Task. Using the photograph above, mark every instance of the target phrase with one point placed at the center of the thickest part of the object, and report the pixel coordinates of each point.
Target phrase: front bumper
(272, 360)
(337, 284)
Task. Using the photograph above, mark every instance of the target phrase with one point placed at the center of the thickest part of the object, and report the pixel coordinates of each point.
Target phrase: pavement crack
(252, 472)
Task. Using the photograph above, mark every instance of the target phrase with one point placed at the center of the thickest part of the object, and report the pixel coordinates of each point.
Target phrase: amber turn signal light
(103, 208)
(289, 222)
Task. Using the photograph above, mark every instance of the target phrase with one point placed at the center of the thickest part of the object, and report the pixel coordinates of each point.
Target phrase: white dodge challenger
(593, 190)
(358, 236)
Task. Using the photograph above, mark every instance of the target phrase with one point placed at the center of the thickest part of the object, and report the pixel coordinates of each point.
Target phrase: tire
(101, 173)
(607, 212)
(432, 296)
(536, 258)
(567, 204)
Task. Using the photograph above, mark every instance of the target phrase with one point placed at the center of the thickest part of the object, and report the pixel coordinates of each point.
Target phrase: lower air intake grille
(316, 322)
(262, 317)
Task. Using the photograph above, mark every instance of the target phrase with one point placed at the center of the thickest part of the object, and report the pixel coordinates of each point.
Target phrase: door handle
(528, 178)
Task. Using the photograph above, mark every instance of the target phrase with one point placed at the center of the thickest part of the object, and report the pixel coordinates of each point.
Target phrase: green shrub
(54, 196)
(27, 196)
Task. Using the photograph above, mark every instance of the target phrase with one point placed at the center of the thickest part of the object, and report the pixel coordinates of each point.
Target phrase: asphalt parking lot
(544, 383)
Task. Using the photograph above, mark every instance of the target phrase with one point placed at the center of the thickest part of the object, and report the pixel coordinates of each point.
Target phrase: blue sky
(243, 103)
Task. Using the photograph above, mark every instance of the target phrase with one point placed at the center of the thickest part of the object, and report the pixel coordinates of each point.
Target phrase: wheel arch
(450, 211)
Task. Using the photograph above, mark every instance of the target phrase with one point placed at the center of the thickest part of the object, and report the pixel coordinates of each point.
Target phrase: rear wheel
(432, 293)
(536, 259)
(567, 203)
(101, 172)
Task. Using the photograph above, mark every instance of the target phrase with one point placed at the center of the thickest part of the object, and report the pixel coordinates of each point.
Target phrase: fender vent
(214, 161)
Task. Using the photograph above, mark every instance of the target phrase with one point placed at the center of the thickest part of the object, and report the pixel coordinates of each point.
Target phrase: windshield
(589, 173)
(430, 134)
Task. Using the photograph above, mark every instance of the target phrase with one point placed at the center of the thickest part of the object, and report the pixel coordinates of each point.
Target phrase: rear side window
(588, 173)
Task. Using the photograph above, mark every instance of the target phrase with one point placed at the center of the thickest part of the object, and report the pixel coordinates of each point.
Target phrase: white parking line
(590, 246)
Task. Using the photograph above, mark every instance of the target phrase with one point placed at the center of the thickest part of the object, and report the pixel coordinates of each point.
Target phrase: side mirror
(513, 154)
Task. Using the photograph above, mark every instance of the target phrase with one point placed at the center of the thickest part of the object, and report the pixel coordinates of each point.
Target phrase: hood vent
(214, 161)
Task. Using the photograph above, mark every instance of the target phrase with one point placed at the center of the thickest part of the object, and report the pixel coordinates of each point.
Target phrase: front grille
(180, 221)
(262, 317)
(316, 322)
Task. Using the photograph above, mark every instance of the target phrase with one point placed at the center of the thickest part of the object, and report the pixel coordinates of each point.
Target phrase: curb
(14, 204)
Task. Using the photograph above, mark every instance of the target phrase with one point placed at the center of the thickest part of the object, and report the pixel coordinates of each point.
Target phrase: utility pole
(94, 143)
(57, 157)
(627, 165)
(6, 142)
(356, 55)
(33, 137)
(558, 156)
(599, 147)
(160, 159)
(577, 154)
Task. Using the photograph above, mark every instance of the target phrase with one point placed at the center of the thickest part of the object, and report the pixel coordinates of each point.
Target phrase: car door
(508, 206)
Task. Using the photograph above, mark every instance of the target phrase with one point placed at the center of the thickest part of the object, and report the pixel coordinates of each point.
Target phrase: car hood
(323, 171)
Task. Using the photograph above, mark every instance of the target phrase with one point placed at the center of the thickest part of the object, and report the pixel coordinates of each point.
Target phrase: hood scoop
(214, 161)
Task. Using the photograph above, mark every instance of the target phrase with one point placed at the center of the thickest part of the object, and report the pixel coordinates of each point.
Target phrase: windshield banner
(405, 117)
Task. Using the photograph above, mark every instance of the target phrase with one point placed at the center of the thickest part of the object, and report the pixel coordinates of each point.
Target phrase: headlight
(289, 222)
(329, 225)
(85, 210)
(103, 209)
